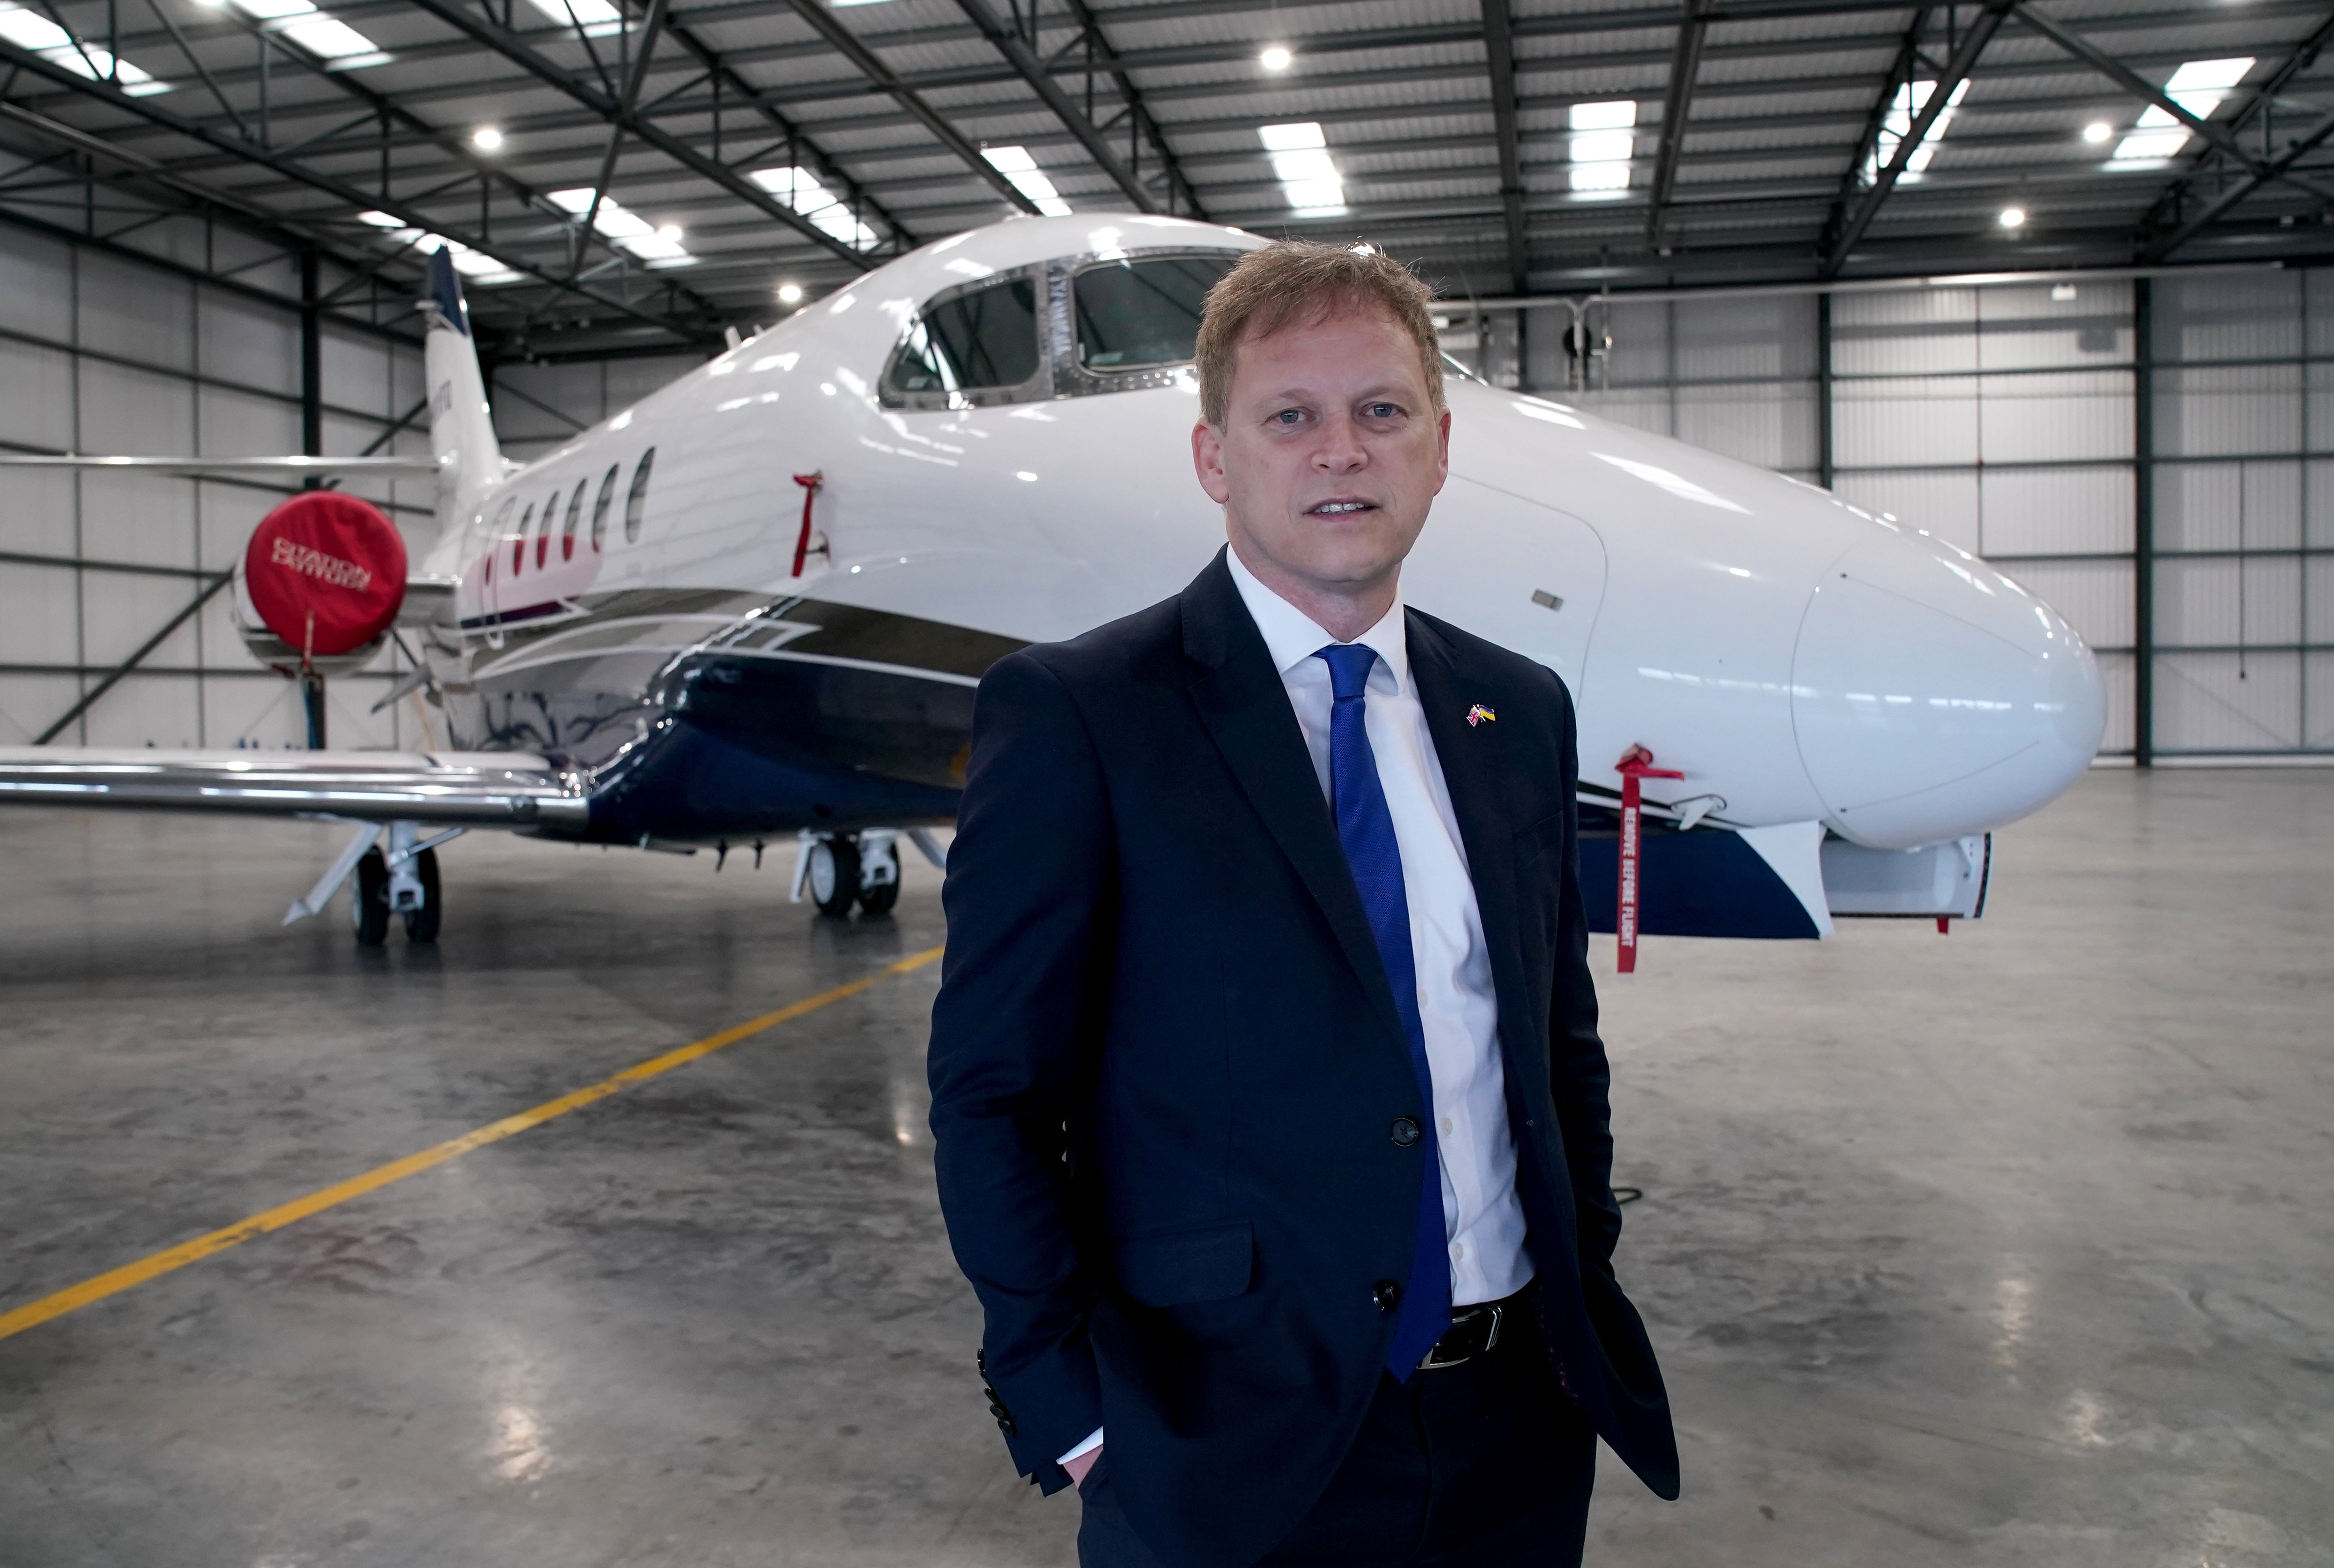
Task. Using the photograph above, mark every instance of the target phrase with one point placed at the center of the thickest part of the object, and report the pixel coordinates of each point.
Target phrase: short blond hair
(1292, 280)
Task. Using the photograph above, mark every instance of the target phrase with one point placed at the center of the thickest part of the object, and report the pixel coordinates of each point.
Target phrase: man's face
(1331, 450)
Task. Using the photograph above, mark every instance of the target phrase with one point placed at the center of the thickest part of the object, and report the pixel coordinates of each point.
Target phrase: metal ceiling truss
(1507, 138)
(1685, 67)
(1453, 147)
(2236, 182)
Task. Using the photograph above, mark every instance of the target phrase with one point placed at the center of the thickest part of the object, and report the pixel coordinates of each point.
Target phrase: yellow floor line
(35, 1314)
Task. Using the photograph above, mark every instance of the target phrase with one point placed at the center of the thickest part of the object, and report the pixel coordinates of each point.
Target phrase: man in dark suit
(1270, 1111)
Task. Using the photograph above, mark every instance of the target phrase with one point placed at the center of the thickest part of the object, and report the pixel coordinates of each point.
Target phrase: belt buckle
(1428, 1362)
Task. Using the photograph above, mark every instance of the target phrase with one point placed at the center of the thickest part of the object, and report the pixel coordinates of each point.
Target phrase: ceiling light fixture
(1604, 141)
(2199, 87)
(790, 294)
(2097, 131)
(1021, 171)
(339, 45)
(1911, 98)
(470, 264)
(486, 139)
(800, 190)
(2012, 217)
(627, 231)
(597, 18)
(58, 47)
(1274, 58)
(1299, 154)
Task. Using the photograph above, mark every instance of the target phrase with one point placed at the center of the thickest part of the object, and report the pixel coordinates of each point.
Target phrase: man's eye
(1382, 411)
(1289, 416)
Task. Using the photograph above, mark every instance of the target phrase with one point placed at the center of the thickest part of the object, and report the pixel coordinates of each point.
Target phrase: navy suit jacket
(1165, 1065)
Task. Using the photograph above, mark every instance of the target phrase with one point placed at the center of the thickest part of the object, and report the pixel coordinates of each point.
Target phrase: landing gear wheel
(833, 875)
(421, 924)
(369, 901)
(879, 898)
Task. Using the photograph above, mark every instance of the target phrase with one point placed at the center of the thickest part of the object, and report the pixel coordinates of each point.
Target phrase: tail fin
(461, 429)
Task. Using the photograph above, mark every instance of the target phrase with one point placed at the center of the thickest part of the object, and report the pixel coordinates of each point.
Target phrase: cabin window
(518, 540)
(1143, 313)
(575, 516)
(984, 338)
(636, 502)
(600, 507)
(542, 535)
(495, 537)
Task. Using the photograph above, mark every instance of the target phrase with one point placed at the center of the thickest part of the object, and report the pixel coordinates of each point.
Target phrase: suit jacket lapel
(1245, 706)
(1474, 770)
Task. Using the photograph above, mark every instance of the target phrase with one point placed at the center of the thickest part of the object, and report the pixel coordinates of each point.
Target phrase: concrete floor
(2013, 1246)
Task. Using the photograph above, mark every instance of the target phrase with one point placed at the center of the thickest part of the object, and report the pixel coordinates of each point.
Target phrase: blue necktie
(1365, 831)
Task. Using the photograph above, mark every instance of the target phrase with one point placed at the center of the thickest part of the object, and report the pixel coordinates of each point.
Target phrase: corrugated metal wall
(2243, 511)
(101, 352)
(2007, 418)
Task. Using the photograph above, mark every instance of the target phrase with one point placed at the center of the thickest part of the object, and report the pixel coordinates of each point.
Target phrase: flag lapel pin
(1478, 714)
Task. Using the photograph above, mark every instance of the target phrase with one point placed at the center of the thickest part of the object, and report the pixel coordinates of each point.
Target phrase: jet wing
(260, 467)
(479, 789)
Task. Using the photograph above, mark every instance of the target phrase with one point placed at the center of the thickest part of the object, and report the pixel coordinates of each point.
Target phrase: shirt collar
(1292, 637)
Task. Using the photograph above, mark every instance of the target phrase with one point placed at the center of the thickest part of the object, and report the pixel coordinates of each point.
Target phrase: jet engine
(323, 580)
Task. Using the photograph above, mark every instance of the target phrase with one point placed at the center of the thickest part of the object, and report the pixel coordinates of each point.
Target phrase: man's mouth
(1338, 508)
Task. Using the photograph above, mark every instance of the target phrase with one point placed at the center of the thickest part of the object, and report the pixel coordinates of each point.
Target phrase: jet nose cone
(1933, 696)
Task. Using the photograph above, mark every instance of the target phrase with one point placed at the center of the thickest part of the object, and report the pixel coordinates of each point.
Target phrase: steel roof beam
(2115, 71)
(512, 48)
(146, 108)
(1686, 65)
(2214, 210)
(1500, 58)
(721, 69)
(2301, 58)
(1572, 25)
(1091, 26)
(1908, 58)
(1956, 70)
(1041, 79)
(883, 79)
(387, 112)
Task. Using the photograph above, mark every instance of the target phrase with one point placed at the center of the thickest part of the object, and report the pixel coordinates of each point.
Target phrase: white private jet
(758, 601)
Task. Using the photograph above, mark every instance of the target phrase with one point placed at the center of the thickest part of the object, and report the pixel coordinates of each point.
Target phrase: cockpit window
(1142, 313)
(986, 338)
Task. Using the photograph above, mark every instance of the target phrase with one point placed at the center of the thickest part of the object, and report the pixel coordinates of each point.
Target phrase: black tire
(368, 899)
(421, 924)
(834, 875)
(879, 898)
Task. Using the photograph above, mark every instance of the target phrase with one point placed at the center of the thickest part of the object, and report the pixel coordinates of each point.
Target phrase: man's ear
(1441, 450)
(1208, 462)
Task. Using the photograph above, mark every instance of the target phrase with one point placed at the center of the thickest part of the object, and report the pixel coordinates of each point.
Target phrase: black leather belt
(1475, 1331)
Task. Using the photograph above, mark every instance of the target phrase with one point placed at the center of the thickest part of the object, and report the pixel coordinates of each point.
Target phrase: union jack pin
(1478, 714)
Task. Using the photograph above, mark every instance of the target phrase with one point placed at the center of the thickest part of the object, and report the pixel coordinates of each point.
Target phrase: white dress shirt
(1482, 1216)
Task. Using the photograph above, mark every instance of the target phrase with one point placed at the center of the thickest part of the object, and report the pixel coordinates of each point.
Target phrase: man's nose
(1340, 450)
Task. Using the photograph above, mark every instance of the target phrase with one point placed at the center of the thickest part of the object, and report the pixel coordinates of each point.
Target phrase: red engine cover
(331, 556)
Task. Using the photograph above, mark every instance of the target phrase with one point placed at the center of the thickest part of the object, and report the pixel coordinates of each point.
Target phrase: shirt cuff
(1093, 1442)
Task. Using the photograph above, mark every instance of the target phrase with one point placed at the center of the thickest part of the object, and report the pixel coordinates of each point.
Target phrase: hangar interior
(2005, 1248)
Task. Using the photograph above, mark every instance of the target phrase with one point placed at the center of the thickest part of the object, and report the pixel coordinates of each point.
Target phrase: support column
(1824, 463)
(312, 362)
(2143, 523)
